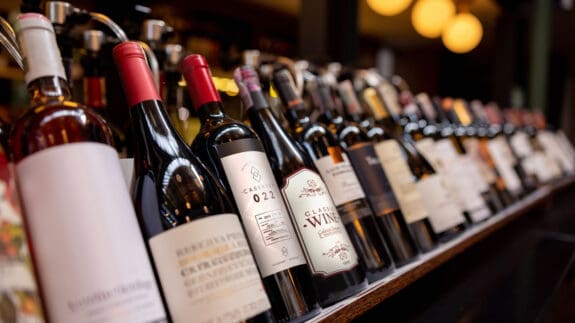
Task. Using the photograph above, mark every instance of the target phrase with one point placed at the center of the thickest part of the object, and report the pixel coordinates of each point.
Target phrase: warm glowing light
(463, 33)
(429, 17)
(273, 92)
(388, 7)
(222, 84)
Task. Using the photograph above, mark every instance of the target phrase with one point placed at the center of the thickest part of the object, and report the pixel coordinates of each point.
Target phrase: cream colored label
(460, 178)
(549, 143)
(88, 246)
(401, 179)
(566, 145)
(324, 238)
(473, 149)
(443, 212)
(264, 215)
(207, 271)
(426, 147)
(340, 179)
(499, 153)
(520, 144)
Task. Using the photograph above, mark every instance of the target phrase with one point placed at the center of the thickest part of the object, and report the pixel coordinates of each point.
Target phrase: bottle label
(566, 145)
(443, 212)
(372, 176)
(207, 271)
(499, 153)
(537, 164)
(426, 148)
(343, 185)
(90, 252)
(460, 178)
(473, 148)
(520, 144)
(326, 243)
(401, 180)
(339, 177)
(549, 141)
(261, 207)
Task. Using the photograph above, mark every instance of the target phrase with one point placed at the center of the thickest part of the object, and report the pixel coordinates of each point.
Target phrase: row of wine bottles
(265, 219)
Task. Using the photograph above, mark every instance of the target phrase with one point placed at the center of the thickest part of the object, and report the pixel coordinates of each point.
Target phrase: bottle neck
(297, 116)
(210, 111)
(48, 89)
(95, 92)
(154, 134)
(172, 95)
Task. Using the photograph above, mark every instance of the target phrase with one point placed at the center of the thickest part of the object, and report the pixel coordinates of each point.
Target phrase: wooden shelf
(377, 292)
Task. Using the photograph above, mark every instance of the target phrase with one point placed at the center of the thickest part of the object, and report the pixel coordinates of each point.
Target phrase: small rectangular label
(373, 179)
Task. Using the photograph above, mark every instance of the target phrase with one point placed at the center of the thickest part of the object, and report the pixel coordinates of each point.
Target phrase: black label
(354, 210)
(239, 146)
(370, 173)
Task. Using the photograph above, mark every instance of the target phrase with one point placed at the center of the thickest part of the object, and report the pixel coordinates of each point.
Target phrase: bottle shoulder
(55, 123)
(350, 134)
(285, 153)
(218, 131)
(184, 189)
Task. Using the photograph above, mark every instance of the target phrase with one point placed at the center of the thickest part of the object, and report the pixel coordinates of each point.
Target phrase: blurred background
(523, 55)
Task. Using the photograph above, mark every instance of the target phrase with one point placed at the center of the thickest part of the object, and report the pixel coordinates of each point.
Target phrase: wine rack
(402, 277)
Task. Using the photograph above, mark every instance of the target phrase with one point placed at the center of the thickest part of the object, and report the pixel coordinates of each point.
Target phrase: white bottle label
(426, 148)
(474, 170)
(340, 178)
(461, 180)
(498, 153)
(401, 180)
(548, 142)
(473, 148)
(443, 212)
(207, 271)
(520, 144)
(566, 145)
(324, 238)
(261, 207)
(90, 252)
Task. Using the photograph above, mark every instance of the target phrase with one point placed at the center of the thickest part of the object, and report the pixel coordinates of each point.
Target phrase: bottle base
(341, 295)
(374, 276)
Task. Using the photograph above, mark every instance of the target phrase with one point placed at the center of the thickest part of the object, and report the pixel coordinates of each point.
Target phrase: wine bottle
(331, 256)
(474, 135)
(174, 94)
(483, 175)
(340, 178)
(505, 130)
(547, 168)
(362, 150)
(444, 216)
(94, 84)
(546, 138)
(449, 158)
(519, 142)
(495, 145)
(234, 152)
(199, 249)
(86, 243)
